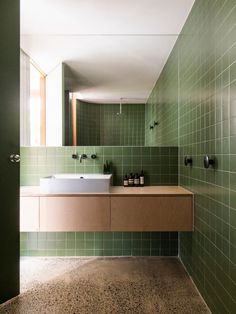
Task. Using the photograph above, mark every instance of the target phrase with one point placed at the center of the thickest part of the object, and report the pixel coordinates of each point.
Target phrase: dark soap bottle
(136, 180)
(131, 180)
(141, 178)
(126, 181)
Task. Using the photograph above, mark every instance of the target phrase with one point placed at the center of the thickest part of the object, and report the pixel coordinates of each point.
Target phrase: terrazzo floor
(105, 285)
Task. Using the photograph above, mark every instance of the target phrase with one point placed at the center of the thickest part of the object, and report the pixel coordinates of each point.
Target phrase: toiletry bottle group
(134, 180)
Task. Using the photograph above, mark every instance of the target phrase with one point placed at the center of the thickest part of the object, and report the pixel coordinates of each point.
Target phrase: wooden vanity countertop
(114, 191)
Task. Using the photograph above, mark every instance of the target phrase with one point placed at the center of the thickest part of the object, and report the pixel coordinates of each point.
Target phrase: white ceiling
(114, 49)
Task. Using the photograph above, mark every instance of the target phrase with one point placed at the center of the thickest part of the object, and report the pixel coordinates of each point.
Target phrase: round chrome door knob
(14, 158)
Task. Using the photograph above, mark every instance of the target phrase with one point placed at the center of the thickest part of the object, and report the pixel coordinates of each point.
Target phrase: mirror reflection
(98, 124)
(85, 85)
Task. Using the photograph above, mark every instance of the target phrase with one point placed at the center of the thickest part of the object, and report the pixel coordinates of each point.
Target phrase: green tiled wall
(206, 74)
(99, 124)
(160, 165)
(99, 243)
(162, 107)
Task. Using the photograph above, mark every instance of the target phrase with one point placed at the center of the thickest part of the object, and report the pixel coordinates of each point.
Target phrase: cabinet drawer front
(29, 214)
(158, 213)
(74, 213)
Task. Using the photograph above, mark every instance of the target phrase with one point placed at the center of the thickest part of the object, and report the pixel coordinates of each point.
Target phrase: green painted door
(9, 144)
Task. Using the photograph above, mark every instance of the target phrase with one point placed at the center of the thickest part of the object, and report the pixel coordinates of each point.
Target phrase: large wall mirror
(86, 83)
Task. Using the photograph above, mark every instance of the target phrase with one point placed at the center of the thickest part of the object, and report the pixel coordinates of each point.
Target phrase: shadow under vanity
(125, 221)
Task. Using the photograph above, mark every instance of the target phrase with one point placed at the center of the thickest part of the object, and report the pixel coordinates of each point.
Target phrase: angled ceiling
(113, 49)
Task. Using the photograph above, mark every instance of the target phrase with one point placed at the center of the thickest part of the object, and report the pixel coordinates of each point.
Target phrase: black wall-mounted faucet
(83, 156)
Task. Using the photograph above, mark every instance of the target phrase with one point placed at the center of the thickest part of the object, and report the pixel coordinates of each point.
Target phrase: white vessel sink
(75, 183)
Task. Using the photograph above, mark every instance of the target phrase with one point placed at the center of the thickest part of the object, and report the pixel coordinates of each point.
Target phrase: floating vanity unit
(151, 208)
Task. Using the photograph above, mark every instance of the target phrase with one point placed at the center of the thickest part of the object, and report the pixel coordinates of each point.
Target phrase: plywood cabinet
(146, 209)
(151, 213)
(74, 213)
(29, 214)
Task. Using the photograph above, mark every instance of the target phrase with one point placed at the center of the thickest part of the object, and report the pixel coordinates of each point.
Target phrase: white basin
(75, 183)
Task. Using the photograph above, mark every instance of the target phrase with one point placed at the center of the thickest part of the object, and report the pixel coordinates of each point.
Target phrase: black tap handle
(208, 161)
(188, 160)
(75, 156)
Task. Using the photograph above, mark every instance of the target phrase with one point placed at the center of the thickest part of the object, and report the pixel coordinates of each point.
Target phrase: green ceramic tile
(98, 245)
(117, 235)
(118, 245)
(61, 245)
(117, 252)
(59, 236)
(23, 236)
(80, 236)
(80, 245)
(89, 245)
(207, 131)
(80, 252)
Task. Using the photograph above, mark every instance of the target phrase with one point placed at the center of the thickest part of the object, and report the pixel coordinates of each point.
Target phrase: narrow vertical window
(37, 106)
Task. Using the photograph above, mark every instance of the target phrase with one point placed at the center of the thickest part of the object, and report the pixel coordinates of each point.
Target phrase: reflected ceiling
(113, 49)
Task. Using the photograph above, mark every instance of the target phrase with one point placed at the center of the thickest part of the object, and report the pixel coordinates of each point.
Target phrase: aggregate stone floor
(127, 285)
